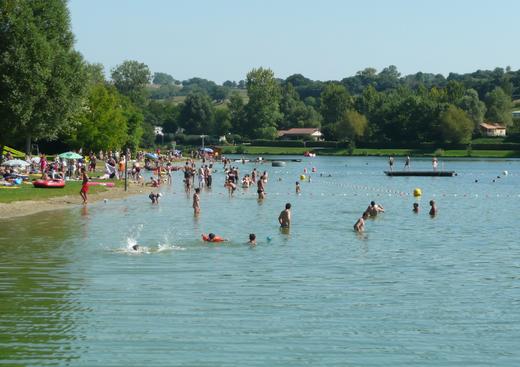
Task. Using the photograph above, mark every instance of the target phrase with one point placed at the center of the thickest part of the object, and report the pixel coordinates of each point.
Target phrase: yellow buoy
(302, 177)
(417, 192)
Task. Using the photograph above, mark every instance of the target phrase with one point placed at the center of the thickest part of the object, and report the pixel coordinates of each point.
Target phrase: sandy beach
(27, 207)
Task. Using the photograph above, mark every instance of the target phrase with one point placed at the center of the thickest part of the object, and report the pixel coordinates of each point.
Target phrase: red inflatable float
(208, 238)
(49, 183)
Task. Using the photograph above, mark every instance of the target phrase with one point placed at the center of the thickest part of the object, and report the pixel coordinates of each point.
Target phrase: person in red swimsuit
(84, 187)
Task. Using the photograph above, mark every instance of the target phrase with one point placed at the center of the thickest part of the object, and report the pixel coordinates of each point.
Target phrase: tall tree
(197, 114)
(351, 126)
(130, 78)
(335, 101)
(473, 106)
(498, 105)
(237, 113)
(222, 121)
(103, 124)
(455, 125)
(263, 108)
(42, 77)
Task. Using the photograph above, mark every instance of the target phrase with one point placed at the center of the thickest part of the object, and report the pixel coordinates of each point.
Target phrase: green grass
(28, 192)
(261, 150)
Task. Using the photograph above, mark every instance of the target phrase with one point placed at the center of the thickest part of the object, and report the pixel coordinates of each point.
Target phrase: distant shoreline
(373, 152)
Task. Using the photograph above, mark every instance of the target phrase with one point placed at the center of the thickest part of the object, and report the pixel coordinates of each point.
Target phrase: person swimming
(252, 239)
(415, 207)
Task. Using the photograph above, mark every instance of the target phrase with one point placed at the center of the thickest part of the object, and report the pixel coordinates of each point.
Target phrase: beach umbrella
(151, 155)
(70, 155)
(207, 150)
(16, 163)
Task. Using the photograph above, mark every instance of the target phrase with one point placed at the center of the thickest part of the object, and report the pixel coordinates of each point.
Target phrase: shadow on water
(35, 283)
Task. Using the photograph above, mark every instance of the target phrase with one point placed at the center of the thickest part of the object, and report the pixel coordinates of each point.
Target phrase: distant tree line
(48, 93)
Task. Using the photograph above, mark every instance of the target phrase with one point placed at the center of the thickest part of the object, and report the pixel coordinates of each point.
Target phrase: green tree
(103, 124)
(263, 108)
(335, 101)
(42, 78)
(163, 79)
(498, 105)
(222, 121)
(237, 113)
(130, 78)
(352, 126)
(197, 114)
(473, 106)
(455, 125)
(134, 121)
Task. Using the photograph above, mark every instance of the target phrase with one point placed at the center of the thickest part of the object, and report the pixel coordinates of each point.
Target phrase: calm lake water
(411, 291)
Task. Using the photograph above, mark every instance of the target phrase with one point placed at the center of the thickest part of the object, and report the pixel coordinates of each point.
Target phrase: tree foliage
(103, 124)
(42, 78)
(263, 109)
(455, 125)
(130, 78)
(197, 114)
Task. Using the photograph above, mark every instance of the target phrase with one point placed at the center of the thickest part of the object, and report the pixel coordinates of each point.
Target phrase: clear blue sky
(323, 40)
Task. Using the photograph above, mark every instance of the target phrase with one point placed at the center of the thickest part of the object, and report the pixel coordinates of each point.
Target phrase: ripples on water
(412, 290)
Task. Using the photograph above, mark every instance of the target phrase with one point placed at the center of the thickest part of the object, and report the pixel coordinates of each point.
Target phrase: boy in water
(415, 207)
(433, 209)
(285, 216)
(196, 201)
(360, 224)
(252, 239)
(298, 188)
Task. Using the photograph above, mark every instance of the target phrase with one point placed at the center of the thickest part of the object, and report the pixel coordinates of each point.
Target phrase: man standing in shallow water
(285, 216)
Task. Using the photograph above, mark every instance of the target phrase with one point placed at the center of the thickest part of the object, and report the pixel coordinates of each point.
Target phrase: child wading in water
(84, 187)
(196, 201)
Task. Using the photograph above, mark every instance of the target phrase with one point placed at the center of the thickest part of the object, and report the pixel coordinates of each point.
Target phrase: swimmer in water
(285, 216)
(415, 207)
(360, 224)
(433, 209)
(373, 209)
(298, 188)
(252, 239)
(135, 247)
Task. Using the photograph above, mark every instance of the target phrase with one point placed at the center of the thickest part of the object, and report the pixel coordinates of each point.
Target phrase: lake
(412, 290)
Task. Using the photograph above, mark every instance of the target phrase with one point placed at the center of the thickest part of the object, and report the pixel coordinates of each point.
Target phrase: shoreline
(28, 207)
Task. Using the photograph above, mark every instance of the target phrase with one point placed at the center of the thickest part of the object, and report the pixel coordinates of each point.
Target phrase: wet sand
(27, 207)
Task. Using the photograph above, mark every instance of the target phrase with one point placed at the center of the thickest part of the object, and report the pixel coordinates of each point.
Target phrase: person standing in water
(298, 188)
(415, 208)
(433, 208)
(285, 216)
(435, 163)
(84, 185)
(260, 188)
(407, 163)
(374, 209)
(196, 201)
(391, 163)
(360, 224)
